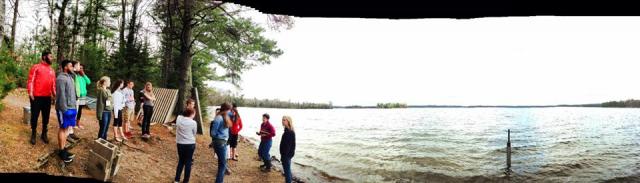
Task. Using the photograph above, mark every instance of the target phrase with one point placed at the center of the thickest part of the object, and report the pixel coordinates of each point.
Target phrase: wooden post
(508, 149)
(198, 118)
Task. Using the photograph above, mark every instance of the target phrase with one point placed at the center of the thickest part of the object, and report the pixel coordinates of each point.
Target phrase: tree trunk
(51, 23)
(62, 28)
(76, 30)
(1, 20)
(13, 26)
(96, 11)
(167, 54)
(132, 25)
(184, 84)
(122, 24)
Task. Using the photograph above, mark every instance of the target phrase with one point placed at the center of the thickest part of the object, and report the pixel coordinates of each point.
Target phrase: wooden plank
(198, 110)
(164, 104)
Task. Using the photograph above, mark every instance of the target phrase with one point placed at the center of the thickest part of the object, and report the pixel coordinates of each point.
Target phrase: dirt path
(152, 161)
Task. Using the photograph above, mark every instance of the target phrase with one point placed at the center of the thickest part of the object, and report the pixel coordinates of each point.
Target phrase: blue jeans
(263, 152)
(220, 148)
(286, 165)
(104, 125)
(185, 159)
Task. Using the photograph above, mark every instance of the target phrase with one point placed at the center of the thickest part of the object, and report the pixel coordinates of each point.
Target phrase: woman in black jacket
(287, 147)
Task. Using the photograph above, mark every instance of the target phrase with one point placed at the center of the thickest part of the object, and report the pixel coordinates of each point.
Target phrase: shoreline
(306, 173)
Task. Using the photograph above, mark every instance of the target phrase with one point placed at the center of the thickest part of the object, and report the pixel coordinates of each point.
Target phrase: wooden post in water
(508, 149)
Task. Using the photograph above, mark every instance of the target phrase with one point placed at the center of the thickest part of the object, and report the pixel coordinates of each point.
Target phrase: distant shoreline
(474, 106)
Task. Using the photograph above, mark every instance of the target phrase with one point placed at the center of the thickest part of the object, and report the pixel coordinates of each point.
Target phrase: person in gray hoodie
(65, 107)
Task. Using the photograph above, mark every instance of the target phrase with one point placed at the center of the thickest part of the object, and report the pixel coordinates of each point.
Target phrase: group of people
(69, 90)
(224, 131)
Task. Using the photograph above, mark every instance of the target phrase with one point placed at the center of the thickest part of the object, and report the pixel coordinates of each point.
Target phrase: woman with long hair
(219, 132)
(104, 106)
(287, 147)
(234, 131)
(118, 105)
(148, 99)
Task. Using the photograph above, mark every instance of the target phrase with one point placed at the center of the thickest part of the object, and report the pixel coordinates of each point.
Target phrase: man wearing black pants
(41, 88)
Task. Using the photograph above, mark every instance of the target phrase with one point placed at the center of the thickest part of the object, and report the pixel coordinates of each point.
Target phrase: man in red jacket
(41, 86)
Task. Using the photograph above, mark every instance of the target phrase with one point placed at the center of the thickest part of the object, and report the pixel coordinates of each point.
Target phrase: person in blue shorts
(65, 107)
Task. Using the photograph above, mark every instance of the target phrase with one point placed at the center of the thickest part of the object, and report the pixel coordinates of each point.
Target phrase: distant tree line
(215, 98)
(391, 105)
(625, 103)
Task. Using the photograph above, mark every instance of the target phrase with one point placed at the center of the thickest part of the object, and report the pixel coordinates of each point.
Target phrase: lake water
(461, 144)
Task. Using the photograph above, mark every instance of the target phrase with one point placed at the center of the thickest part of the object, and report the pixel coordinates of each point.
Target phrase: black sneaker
(44, 138)
(70, 155)
(33, 139)
(64, 156)
(74, 137)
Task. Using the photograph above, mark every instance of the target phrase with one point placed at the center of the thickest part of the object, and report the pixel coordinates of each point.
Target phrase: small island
(391, 105)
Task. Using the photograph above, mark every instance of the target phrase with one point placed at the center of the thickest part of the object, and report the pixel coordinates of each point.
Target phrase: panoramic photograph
(216, 91)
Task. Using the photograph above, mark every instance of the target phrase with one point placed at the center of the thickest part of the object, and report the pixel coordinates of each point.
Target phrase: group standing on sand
(69, 90)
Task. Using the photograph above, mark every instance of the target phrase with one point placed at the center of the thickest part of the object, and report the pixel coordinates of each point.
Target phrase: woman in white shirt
(118, 104)
(186, 129)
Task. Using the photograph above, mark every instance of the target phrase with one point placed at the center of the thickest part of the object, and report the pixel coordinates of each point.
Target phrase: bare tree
(1, 22)
(51, 9)
(61, 42)
(13, 25)
(123, 22)
(75, 30)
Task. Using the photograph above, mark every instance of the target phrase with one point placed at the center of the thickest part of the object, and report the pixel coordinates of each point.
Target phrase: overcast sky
(488, 61)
